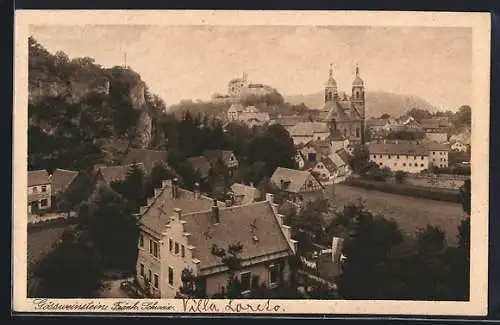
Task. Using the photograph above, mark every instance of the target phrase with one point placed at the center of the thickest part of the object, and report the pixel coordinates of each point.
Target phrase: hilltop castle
(343, 113)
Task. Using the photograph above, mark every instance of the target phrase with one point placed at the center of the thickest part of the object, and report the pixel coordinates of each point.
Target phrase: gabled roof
(335, 111)
(237, 224)
(295, 178)
(248, 193)
(145, 156)
(320, 146)
(61, 179)
(344, 155)
(308, 128)
(38, 177)
(116, 173)
(214, 155)
(200, 164)
(329, 164)
(158, 214)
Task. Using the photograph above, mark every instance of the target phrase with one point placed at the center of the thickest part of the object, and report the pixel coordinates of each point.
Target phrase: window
(380, 164)
(176, 248)
(170, 276)
(421, 165)
(44, 202)
(35, 189)
(142, 270)
(44, 188)
(374, 156)
(170, 245)
(395, 164)
(414, 157)
(141, 240)
(153, 248)
(311, 156)
(155, 281)
(357, 132)
(389, 156)
(273, 274)
(380, 156)
(422, 158)
(397, 157)
(183, 251)
(433, 153)
(246, 279)
(404, 164)
(149, 275)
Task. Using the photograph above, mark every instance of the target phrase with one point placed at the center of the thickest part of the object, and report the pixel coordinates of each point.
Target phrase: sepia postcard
(251, 162)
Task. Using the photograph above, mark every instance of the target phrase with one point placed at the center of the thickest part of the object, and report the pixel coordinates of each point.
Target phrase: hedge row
(438, 194)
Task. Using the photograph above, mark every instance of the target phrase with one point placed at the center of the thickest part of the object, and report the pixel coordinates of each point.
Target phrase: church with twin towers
(345, 114)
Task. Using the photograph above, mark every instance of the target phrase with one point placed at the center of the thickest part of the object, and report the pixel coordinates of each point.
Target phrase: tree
(463, 117)
(359, 161)
(133, 187)
(72, 270)
(368, 242)
(112, 228)
(465, 196)
(419, 114)
(400, 176)
(232, 261)
(159, 173)
(191, 285)
(384, 116)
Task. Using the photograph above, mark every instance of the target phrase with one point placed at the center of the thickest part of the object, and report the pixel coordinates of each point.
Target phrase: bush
(437, 194)
(400, 176)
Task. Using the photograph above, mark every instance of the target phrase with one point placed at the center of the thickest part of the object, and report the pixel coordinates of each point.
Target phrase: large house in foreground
(180, 228)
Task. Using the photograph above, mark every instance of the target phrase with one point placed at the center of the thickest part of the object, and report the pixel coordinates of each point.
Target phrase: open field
(41, 241)
(409, 212)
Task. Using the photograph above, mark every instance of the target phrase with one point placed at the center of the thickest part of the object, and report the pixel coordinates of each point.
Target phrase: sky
(193, 62)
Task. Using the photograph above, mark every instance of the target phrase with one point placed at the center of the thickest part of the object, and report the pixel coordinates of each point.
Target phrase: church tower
(331, 91)
(358, 100)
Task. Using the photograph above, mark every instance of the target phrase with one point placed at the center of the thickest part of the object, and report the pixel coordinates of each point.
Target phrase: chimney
(196, 191)
(175, 187)
(270, 197)
(178, 213)
(215, 212)
(251, 184)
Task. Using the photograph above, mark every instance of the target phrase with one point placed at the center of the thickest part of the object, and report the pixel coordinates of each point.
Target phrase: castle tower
(358, 100)
(331, 91)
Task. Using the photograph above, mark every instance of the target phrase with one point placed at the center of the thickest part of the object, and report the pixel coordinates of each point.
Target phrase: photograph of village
(249, 162)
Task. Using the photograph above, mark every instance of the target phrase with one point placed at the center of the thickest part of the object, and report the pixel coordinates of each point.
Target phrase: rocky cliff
(77, 107)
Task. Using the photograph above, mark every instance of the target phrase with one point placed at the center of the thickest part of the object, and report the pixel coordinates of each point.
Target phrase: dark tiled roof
(344, 155)
(158, 214)
(329, 164)
(436, 146)
(61, 179)
(145, 156)
(296, 178)
(115, 173)
(398, 148)
(38, 177)
(200, 164)
(236, 224)
(248, 193)
(336, 111)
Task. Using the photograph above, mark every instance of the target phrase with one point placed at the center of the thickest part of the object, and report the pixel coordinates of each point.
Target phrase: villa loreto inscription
(188, 306)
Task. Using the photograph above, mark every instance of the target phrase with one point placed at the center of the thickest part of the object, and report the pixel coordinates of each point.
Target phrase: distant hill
(377, 103)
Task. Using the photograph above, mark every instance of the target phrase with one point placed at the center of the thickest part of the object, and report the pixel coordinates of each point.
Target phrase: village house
(60, 181)
(39, 191)
(250, 115)
(300, 186)
(149, 158)
(304, 132)
(227, 157)
(409, 156)
(179, 230)
(244, 194)
(460, 146)
(436, 129)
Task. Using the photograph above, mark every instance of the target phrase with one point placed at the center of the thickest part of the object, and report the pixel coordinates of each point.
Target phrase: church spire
(357, 70)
